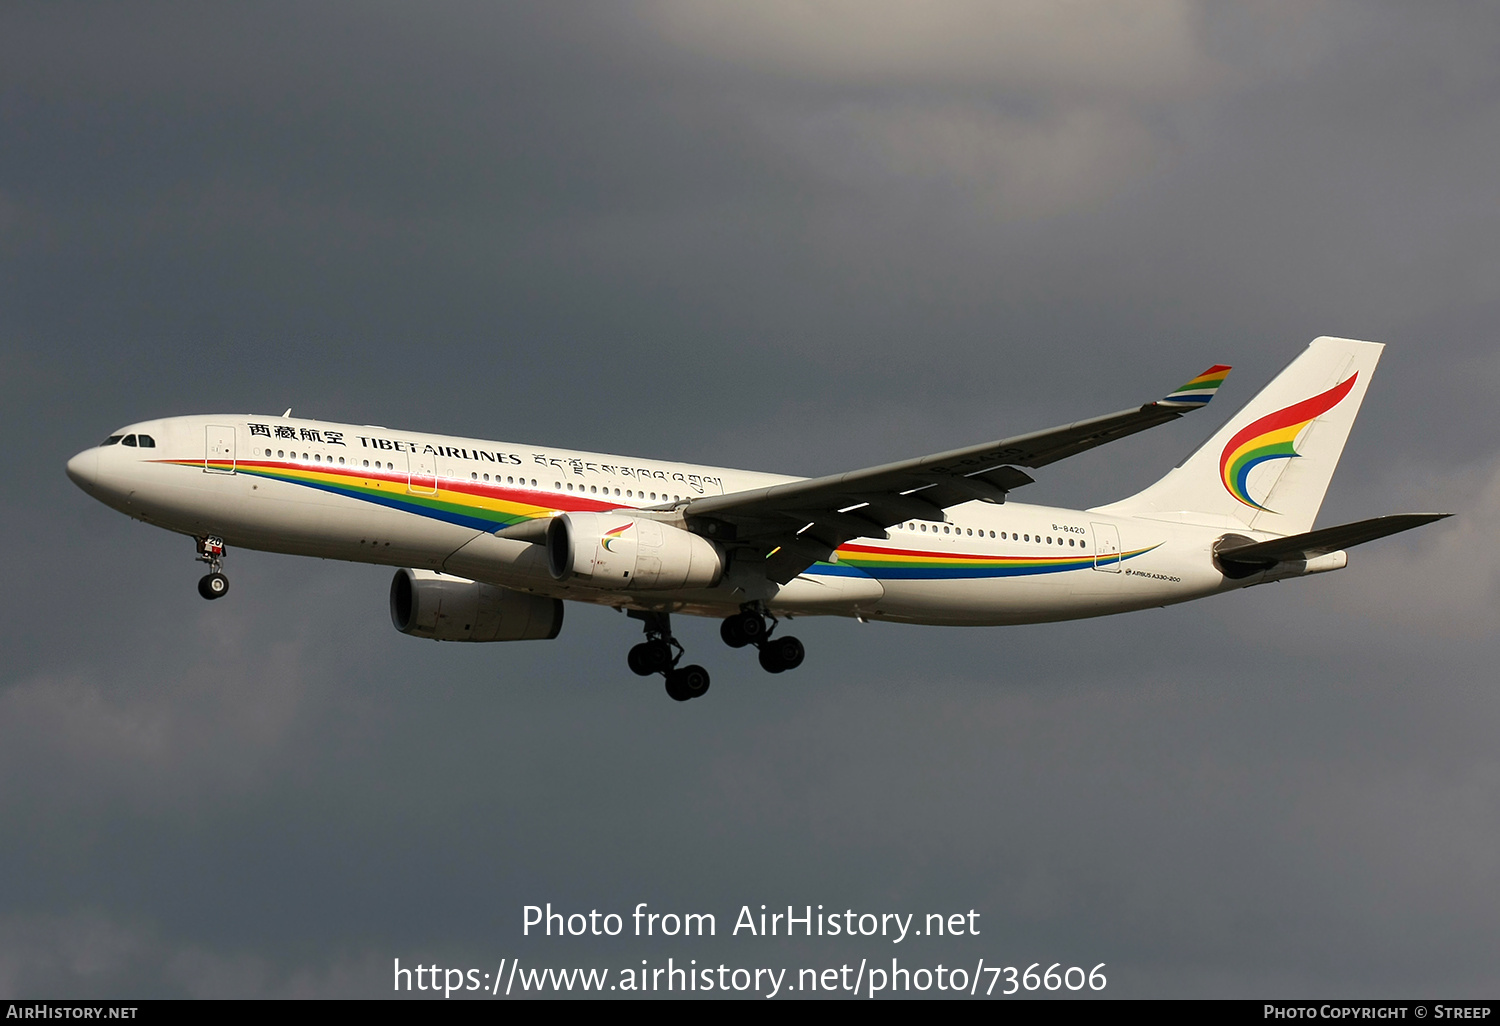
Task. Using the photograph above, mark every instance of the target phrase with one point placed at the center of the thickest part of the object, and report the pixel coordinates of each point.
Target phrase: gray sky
(788, 237)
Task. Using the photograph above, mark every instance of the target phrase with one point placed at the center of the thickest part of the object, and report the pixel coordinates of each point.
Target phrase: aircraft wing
(801, 522)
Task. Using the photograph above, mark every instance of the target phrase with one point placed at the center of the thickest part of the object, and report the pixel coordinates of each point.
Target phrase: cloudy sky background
(800, 237)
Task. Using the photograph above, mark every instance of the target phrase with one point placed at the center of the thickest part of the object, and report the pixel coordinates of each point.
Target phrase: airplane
(491, 538)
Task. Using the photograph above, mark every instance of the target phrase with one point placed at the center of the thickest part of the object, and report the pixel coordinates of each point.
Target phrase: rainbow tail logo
(1271, 438)
(612, 535)
(1219, 486)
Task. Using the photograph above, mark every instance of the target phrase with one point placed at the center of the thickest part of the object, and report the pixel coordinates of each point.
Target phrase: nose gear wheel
(211, 551)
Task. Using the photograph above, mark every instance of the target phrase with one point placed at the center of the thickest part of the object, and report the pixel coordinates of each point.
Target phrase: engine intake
(446, 608)
(617, 552)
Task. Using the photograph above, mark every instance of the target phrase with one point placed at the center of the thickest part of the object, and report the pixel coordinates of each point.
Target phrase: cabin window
(111, 440)
(924, 528)
(268, 452)
(570, 486)
(1071, 543)
(317, 458)
(341, 461)
(992, 534)
(475, 476)
(280, 454)
(1028, 537)
(1082, 544)
(128, 440)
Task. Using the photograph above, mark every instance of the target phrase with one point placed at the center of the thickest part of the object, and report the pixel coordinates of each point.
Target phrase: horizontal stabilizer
(1263, 555)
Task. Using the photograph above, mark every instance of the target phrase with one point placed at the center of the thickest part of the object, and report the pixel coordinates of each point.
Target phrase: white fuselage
(374, 495)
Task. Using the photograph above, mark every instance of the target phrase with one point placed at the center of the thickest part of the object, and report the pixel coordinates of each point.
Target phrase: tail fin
(1269, 467)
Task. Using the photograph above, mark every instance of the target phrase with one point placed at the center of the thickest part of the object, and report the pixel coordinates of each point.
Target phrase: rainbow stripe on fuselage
(480, 505)
(1271, 438)
(917, 565)
(491, 506)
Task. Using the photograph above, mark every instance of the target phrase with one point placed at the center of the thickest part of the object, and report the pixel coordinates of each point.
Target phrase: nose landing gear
(214, 584)
(656, 655)
(752, 625)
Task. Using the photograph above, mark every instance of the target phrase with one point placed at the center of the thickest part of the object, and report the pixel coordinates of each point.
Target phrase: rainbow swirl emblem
(1271, 438)
(612, 535)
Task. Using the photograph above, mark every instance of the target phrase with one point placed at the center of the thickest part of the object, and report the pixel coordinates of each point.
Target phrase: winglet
(1198, 391)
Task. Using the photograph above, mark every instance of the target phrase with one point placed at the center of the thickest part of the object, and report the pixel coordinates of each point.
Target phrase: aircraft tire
(637, 660)
(752, 626)
(693, 680)
(213, 586)
(675, 690)
(656, 656)
(781, 654)
(790, 652)
(729, 631)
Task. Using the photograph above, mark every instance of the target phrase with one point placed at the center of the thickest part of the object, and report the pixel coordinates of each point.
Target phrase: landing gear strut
(753, 625)
(214, 584)
(660, 653)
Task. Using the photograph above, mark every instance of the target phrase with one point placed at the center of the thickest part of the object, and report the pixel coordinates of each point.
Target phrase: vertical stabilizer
(1269, 467)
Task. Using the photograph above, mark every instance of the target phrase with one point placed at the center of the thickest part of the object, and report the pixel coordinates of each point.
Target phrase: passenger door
(219, 449)
(422, 476)
(1106, 547)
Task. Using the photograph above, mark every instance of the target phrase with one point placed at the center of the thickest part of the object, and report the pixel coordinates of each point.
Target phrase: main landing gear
(214, 584)
(660, 653)
(752, 625)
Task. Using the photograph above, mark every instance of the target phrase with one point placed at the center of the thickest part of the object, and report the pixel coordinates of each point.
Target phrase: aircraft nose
(84, 469)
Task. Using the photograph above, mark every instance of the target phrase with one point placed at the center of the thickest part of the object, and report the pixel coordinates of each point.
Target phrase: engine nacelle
(447, 608)
(618, 552)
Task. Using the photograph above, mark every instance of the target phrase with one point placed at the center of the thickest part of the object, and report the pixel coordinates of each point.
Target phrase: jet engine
(617, 552)
(446, 608)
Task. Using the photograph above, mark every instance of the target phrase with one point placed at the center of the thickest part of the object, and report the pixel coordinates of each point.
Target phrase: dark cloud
(634, 229)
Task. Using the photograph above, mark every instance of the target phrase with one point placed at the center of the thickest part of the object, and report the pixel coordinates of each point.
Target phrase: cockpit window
(128, 440)
(146, 441)
(112, 440)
